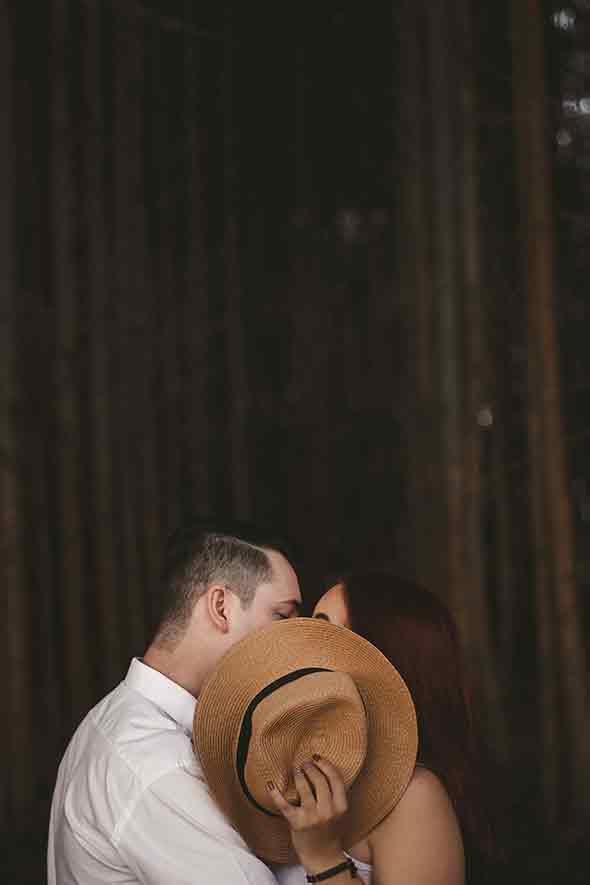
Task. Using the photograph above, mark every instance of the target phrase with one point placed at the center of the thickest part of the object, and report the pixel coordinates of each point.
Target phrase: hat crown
(321, 713)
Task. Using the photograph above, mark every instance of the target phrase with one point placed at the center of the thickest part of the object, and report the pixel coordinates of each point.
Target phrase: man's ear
(218, 603)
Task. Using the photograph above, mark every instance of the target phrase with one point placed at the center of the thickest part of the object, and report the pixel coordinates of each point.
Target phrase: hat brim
(268, 654)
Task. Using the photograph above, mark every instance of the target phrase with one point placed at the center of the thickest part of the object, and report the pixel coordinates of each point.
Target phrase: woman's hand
(314, 821)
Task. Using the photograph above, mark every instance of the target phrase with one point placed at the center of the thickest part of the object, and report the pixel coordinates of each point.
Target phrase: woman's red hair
(417, 633)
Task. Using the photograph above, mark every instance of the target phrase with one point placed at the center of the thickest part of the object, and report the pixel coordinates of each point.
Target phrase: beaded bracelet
(333, 871)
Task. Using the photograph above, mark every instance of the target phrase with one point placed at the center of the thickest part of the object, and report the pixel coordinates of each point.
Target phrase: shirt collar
(170, 697)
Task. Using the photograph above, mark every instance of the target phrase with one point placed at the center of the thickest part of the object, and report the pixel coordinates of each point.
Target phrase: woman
(439, 828)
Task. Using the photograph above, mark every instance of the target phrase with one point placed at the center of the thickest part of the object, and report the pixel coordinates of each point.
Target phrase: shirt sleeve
(288, 874)
(175, 834)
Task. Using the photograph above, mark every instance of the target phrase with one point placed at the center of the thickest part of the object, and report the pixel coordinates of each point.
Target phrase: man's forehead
(277, 593)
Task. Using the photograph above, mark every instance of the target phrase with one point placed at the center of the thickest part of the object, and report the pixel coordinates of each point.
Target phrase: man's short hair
(204, 552)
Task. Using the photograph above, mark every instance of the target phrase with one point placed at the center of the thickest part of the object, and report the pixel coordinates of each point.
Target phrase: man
(130, 803)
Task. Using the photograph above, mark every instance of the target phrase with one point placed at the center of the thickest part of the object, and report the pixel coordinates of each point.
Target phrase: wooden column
(474, 347)
(563, 676)
(195, 319)
(239, 393)
(415, 282)
(18, 772)
(74, 591)
(100, 294)
(131, 438)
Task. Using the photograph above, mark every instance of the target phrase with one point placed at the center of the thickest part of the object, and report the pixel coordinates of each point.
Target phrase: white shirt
(131, 804)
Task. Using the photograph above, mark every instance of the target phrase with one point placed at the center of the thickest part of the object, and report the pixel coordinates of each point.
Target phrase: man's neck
(185, 670)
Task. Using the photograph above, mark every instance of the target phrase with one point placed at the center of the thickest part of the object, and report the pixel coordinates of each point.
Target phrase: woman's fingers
(287, 810)
(314, 823)
(321, 791)
(303, 787)
(337, 788)
(297, 814)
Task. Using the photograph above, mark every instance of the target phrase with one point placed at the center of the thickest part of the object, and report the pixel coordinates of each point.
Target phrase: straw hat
(291, 690)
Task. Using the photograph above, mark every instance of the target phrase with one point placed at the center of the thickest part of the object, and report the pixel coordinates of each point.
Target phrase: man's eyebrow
(322, 616)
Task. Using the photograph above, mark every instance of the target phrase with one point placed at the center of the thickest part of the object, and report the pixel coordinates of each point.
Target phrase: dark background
(319, 264)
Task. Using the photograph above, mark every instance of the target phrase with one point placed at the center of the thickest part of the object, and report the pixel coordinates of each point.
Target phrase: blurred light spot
(570, 106)
(564, 138)
(564, 19)
(349, 222)
(574, 107)
(485, 416)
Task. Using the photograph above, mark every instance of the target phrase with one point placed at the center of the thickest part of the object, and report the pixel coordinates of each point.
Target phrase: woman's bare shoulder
(426, 788)
(421, 837)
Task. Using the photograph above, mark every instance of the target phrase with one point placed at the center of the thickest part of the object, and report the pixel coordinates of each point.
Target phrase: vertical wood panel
(558, 604)
(39, 362)
(504, 528)
(173, 294)
(129, 316)
(37, 675)
(414, 272)
(238, 392)
(163, 148)
(144, 294)
(476, 374)
(18, 780)
(447, 291)
(195, 332)
(99, 258)
(63, 223)
(296, 289)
